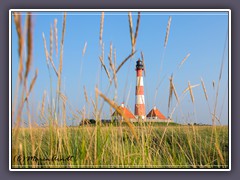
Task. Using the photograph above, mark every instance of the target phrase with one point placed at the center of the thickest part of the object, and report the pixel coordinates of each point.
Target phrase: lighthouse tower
(140, 102)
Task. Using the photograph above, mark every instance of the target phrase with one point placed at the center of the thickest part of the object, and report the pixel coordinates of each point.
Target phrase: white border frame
(120, 10)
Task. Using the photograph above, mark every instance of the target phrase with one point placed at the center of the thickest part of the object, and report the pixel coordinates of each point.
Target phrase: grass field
(115, 147)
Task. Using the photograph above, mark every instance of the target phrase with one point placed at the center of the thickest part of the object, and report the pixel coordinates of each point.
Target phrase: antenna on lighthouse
(140, 100)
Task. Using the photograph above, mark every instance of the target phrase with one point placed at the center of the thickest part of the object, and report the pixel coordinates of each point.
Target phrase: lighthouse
(140, 100)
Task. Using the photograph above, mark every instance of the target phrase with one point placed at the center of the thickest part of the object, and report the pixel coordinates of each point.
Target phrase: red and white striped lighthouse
(140, 101)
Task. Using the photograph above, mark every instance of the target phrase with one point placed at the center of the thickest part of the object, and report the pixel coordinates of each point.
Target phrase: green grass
(115, 147)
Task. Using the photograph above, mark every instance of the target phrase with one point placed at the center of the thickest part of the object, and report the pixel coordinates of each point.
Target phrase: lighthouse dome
(139, 64)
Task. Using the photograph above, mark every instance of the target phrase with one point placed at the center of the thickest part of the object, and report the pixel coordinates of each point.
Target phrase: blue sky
(202, 34)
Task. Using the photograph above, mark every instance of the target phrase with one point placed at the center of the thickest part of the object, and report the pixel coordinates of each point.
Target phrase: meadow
(54, 144)
(115, 147)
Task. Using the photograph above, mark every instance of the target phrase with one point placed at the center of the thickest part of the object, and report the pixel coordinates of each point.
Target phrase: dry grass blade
(29, 44)
(219, 153)
(204, 89)
(63, 97)
(85, 94)
(110, 58)
(168, 30)
(32, 84)
(33, 81)
(187, 89)
(170, 92)
(131, 29)
(43, 103)
(101, 28)
(220, 76)
(45, 47)
(115, 106)
(48, 56)
(137, 27)
(125, 60)
(17, 20)
(222, 63)
(56, 36)
(102, 55)
(83, 114)
(63, 27)
(184, 60)
(84, 49)
(190, 91)
(114, 67)
(184, 152)
(61, 52)
(105, 68)
(175, 92)
(64, 100)
(144, 68)
(94, 105)
(54, 67)
(51, 41)
(217, 118)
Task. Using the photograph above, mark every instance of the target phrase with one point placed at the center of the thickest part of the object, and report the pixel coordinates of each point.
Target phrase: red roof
(126, 112)
(156, 113)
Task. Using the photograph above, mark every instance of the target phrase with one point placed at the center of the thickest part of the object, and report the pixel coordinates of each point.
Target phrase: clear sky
(202, 34)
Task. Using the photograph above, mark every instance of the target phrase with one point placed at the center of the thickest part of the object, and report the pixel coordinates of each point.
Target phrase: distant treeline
(116, 122)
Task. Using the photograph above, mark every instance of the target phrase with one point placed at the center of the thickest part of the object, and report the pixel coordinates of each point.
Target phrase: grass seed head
(29, 45)
(45, 47)
(110, 58)
(114, 67)
(186, 57)
(101, 28)
(137, 28)
(175, 92)
(43, 103)
(61, 52)
(131, 30)
(56, 36)
(17, 20)
(167, 32)
(85, 94)
(105, 68)
(84, 49)
(170, 92)
(190, 91)
(204, 89)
